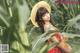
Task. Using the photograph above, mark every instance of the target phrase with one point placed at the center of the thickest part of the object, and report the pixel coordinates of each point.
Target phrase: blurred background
(17, 30)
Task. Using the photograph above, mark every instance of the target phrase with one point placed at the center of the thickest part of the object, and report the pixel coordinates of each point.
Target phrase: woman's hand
(65, 37)
(65, 47)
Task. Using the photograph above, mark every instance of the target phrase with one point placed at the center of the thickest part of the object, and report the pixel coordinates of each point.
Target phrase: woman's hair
(40, 13)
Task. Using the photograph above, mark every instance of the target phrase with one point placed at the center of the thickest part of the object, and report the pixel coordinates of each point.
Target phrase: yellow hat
(35, 8)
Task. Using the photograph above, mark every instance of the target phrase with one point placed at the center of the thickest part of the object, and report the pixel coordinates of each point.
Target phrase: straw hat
(35, 8)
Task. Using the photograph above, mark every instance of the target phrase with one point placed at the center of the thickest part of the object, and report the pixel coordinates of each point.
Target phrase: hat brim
(35, 8)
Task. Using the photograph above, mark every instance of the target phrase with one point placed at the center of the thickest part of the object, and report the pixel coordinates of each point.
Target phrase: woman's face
(46, 17)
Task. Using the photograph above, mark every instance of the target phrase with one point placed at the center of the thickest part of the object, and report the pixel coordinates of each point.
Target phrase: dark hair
(40, 13)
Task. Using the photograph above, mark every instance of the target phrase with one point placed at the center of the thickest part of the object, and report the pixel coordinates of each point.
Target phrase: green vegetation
(17, 30)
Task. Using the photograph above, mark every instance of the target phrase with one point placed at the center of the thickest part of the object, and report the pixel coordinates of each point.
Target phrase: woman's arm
(65, 47)
(62, 42)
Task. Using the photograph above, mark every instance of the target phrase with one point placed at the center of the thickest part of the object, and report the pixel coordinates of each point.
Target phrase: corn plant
(14, 16)
(17, 30)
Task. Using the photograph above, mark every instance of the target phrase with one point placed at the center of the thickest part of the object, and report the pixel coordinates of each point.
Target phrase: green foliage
(17, 30)
(14, 19)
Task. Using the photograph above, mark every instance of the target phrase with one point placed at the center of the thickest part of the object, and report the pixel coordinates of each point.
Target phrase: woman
(40, 17)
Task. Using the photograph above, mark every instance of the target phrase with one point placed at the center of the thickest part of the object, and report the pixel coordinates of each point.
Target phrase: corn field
(18, 32)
